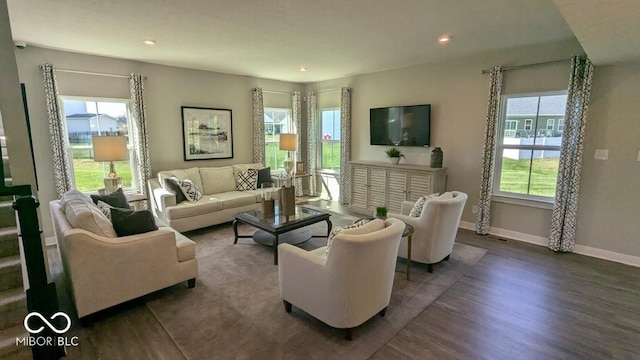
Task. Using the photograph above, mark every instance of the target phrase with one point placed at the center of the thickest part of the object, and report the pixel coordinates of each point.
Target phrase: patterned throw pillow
(337, 230)
(247, 179)
(417, 208)
(190, 190)
(105, 208)
(172, 184)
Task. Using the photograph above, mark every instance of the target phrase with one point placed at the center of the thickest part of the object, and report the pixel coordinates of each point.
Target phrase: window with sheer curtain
(276, 121)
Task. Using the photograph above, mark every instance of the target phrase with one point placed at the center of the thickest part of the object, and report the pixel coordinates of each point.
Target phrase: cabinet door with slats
(419, 185)
(359, 180)
(397, 190)
(377, 188)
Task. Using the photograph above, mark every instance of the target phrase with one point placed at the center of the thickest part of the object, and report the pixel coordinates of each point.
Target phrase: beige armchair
(434, 232)
(352, 283)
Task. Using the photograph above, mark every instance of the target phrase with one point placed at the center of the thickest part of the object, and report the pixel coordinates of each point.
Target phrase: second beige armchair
(435, 230)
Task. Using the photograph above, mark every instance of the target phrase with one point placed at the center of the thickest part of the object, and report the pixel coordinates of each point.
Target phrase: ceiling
(331, 38)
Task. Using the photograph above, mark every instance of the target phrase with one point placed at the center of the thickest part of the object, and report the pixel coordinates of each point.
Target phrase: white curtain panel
(258, 126)
(483, 217)
(140, 131)
(57, 131)
(313, 129)
(345, 145)
(563, 218)
(296, 108)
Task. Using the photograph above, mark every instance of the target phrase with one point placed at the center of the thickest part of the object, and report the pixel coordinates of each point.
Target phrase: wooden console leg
(287, 306)
(191, 283)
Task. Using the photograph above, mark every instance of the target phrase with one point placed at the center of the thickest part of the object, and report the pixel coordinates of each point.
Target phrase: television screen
(401, 125)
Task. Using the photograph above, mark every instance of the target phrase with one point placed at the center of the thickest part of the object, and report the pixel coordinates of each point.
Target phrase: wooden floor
(520, 301)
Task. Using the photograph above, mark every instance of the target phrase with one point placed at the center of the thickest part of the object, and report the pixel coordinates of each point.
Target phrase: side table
(408, 233)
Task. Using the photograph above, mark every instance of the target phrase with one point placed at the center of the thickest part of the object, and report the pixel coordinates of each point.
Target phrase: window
(527, 166)
(86, 117)
(560, 124)
(276, 121)
(330, 139)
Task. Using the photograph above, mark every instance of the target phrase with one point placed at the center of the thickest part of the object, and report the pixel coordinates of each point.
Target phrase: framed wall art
(207, 133)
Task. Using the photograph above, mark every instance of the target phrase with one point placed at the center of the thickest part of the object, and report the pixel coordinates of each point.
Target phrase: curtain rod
(528, 65)
(92, 73)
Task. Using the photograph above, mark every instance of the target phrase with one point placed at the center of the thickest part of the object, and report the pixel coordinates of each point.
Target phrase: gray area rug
(235, 310)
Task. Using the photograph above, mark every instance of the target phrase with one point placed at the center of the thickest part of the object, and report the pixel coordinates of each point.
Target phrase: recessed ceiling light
(444, 39)
(149, 41)
(303, 69)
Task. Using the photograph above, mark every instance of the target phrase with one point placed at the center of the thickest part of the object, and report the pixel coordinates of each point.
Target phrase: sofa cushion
(234, 199)
(190, 190)
(116, 199)
(86, 216)
(206, 205)
(131, 222)
(172, 185)
(217, 179)
(186, 247)
(192, 174)
(247, 179)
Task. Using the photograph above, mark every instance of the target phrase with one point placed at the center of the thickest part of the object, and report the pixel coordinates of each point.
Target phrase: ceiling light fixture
(149, 41)
(303, 69)
(444, 39)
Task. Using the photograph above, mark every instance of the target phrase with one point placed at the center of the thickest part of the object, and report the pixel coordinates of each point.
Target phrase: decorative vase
(436, 158)
(394, 160)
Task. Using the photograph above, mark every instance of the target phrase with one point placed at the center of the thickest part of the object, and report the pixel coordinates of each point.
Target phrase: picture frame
(207, 133)
(300, 167)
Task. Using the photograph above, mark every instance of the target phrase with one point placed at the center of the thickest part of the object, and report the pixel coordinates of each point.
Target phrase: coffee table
(277, 229)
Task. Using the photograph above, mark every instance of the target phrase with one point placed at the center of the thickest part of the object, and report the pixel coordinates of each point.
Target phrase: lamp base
(112, 185)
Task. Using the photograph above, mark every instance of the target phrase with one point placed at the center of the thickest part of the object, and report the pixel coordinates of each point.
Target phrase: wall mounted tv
(401, 125)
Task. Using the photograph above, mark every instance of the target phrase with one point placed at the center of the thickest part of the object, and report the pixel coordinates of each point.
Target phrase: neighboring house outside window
(88, 117)
(276, 121)
(330, 139)
(528, 156)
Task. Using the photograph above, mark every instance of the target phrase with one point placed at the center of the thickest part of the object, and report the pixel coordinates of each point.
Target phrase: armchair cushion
(85, 215)
(419, 205)
(359, 227)
(129, 222)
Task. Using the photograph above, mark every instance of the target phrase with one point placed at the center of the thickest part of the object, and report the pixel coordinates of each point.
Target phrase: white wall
(609, 201)
(166, 90)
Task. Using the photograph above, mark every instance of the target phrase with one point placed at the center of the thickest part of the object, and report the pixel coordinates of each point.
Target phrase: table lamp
(289, 143)
(110, 148)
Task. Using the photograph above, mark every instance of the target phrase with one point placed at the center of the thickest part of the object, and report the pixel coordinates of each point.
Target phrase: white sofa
(349, 285)
(104, 271)
(221, 200)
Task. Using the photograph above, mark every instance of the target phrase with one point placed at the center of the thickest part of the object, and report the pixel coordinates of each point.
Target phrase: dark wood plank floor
(520, 301)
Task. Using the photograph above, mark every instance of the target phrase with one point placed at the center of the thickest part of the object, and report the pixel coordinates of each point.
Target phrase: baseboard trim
(538, 240)
(50, 240)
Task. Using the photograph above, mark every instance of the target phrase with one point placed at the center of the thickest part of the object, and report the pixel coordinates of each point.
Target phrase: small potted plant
(381, 212)
(394, 155)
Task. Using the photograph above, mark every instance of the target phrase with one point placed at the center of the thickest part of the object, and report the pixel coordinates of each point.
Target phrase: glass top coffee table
(276, 229)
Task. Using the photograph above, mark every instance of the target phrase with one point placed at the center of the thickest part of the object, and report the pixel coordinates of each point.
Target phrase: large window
(528, 151)
(330, 139)
(276, 121)
(85, 118)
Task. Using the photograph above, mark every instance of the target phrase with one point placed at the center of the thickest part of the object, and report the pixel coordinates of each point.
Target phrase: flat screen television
(401, 125)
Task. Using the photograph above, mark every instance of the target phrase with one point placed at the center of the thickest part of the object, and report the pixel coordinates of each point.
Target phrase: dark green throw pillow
(129, 222)
(264, 175)
(117, 199)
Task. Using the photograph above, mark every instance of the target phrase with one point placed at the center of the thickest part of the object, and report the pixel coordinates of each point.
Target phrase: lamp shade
(109, 148)
(289, 142)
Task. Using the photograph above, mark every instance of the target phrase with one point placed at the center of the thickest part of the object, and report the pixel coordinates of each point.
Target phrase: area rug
(235, 310)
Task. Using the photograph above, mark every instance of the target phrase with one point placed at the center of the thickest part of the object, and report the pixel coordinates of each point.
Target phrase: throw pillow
(190, 190)
(420, 204)
(116, 199)
(129, 222)
(357, 224)
(172, 185)
(264, 175)
(105, 208)
(247, 179)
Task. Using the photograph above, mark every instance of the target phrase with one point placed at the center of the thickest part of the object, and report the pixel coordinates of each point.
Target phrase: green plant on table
(381, 211)
(394, 152)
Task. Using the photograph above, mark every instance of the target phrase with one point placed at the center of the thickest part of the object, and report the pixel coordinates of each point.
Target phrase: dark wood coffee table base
(294, 237)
